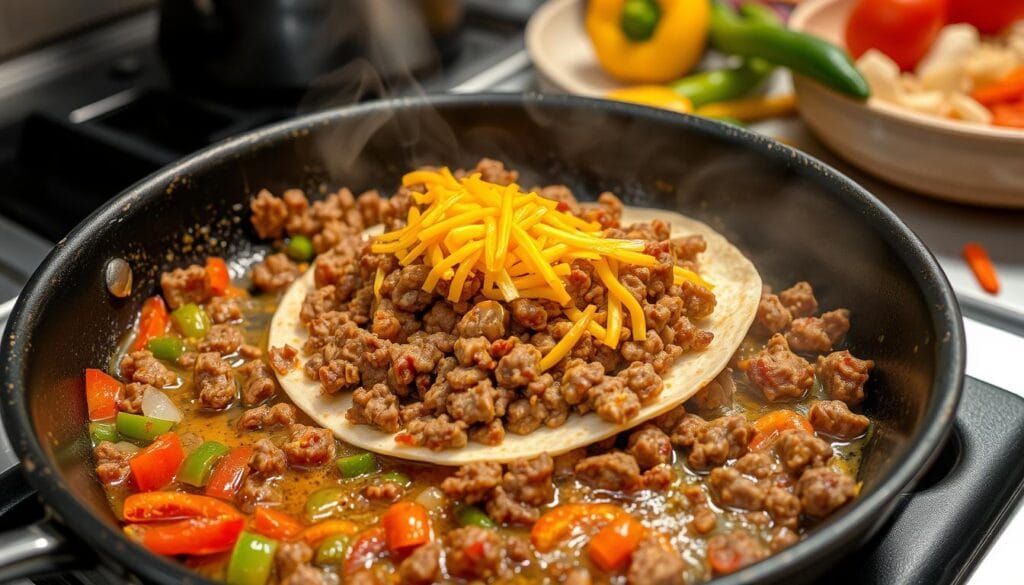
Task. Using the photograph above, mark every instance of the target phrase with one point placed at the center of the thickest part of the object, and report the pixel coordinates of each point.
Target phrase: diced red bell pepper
(218, 275)
(155, 466)
(406, 525)
(198, 536)
(156, 506)
(613, 545)
(153, 320)
(102, 393)
(229, 473)
(275, 524)
(366, 548)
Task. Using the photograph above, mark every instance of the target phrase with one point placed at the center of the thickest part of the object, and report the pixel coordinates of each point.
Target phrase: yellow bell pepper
(647, 41)
(658, 96)
(751, 109)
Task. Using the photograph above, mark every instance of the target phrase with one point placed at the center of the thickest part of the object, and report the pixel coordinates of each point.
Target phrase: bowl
(950, 159)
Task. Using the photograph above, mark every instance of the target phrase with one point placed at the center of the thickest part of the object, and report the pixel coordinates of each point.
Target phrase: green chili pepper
(332, 550)
(472, 516)
(142, 428)
(324, 503)
(802, 53)
(395, 477)
(167, 347)
(251, 560)
(191, 320)
(356, 465)
(101, 431)
(300, 249)
(639, 19)
(196, 468)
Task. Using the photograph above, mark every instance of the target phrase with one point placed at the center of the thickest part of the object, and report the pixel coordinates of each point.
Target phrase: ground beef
(799, 450)
(799, 300)
(757, 464)
(224, 310)
(525, 416)
(734, 549)
(408, 293)
(257, 489)
(131, 400)
(818, 334)
(650, 447)
(823, 491)
(716, 394)
(611, 471)
(833, 418)
(772, 316)
(520, 367)
(782, 537)
(579, 378)
(387, 491)
(613, 402)
(494, 171)
(309, 446)
(473, 483)
(269, 214)
(530, 313)
(735, 490)
(267, 459)
(783, 506)
(338, 375)
(717, 441)
(282, 359)
(778, 372)
(529, 480)
(422, 567)
(843, 376)
(474, 553)
(643, 381)
(376, 406)
(687, 248)
(655, 563)
(141, 366)
(437, 433)
(291, 555)
(214, 382)
(221, 338)
(111, 462)
(275, 273)
(441, 317)
(487, 319)
(264, 416)
(249, 351)
(258, 383)
(185, 285)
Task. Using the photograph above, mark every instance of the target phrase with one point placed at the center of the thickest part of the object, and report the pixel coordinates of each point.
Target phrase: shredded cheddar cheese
(523, 246)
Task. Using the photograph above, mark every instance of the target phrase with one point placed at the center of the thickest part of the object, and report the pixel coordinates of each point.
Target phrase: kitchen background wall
(28, 23)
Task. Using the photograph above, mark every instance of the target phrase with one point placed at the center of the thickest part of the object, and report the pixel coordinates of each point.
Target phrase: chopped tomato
(198, 536)
(217, 273)
(902, 29)
(613, 545)
(768, 427)
(988, 16)
(560, 523)
(156, 506)
(155, 466)
(153, 320)
(227, 476)
(406, 525)
(321, 530)
(102, 393)
(367, 548)
(275, 524)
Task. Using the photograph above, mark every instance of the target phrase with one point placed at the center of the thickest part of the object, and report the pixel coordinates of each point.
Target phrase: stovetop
(77, 126)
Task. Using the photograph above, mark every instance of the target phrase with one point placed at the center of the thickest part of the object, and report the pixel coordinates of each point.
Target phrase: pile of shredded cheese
(522, 245)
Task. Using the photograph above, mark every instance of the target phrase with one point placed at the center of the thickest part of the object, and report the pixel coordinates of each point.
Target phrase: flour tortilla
(737, 290)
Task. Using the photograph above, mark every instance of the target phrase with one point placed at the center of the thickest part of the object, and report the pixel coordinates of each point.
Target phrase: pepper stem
(640, 19)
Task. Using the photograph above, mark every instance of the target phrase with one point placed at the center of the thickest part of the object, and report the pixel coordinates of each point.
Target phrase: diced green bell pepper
(191, 320)
(472, 516)
(324, 503)
(167, 347)
(251, 560)
(196, 468)
(332, 550)
(356, 465)
(395, 477)
(142, 428)
(300, 249)
(102, 431)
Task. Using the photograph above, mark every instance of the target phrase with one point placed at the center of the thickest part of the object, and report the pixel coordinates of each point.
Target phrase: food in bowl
(204, 458)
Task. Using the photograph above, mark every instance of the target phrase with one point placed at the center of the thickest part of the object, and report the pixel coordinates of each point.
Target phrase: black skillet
(794, 216)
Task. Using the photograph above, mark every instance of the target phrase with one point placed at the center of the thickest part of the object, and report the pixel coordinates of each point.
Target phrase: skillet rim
(825, 542)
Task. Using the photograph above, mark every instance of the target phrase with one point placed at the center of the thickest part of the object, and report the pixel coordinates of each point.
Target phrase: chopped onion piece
(431, 498)
(126, 447)
(969, 110)
(156, 404)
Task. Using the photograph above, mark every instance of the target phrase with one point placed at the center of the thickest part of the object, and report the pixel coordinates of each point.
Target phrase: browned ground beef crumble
(448, 373)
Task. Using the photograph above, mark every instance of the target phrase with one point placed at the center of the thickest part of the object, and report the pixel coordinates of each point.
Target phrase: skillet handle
(33, 550)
